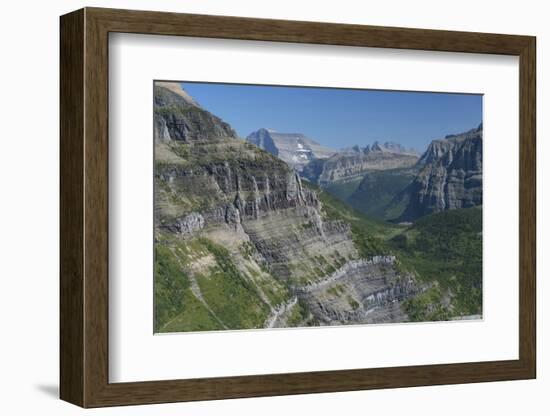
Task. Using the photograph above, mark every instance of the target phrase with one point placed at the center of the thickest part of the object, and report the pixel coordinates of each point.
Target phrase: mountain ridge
(377, 146)
(295, 149)
(449, 176)
(177, 117)
(350, 164)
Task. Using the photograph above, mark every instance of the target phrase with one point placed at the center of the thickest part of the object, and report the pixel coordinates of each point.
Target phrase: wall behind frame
(29, 212)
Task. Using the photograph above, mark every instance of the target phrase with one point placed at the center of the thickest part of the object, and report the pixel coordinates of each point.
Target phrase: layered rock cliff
(449, 177)
(242, 243)
(177, 117)
(355, 162)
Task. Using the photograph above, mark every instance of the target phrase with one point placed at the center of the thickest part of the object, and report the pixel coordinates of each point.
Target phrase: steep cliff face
(242, 243)
(361, 291)
(293, 148)
(355, 162)
(178, 117)
(450, 176)
(263, 139)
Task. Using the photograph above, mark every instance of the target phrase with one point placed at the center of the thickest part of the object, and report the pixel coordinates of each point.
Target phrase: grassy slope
(445, 248)
(232, 297)
(375, 192)
(343, 189)
(175, 305)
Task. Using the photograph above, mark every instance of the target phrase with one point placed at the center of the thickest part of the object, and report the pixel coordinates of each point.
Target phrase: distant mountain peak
(388, 147)
(439, 147)
(294, 148)
(470, 133)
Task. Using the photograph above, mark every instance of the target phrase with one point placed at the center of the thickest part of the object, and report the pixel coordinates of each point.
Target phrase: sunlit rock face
(450, 176)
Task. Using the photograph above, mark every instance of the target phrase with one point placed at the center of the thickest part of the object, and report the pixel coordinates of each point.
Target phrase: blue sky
(341, 117)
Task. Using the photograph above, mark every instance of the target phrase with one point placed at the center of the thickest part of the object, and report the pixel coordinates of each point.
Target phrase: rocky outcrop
(356, 161)
(178, 117)
(189, 224)
(346, 270)
(278, 312)
(260, 204)
(293, 148)
(450, 176)
(177, 89)
(362, 292)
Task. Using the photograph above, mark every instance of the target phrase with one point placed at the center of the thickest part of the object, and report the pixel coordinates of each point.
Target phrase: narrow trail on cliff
(278, 312)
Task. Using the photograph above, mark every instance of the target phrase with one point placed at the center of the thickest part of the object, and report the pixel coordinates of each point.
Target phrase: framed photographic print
(256, 207)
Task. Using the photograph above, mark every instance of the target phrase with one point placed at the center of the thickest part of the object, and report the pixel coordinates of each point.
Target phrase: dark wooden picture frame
(84, 207)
